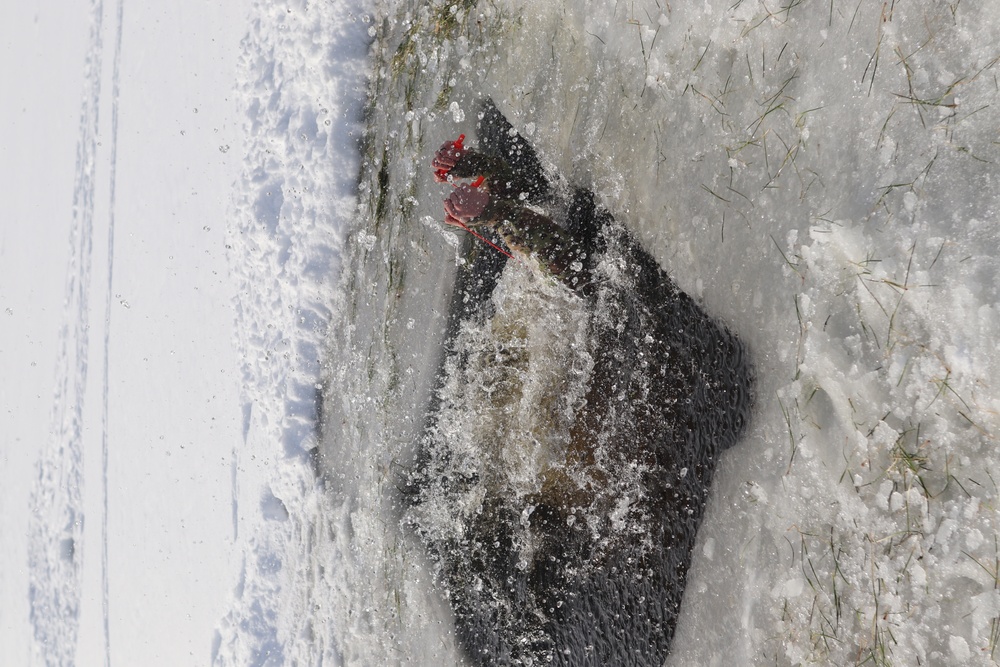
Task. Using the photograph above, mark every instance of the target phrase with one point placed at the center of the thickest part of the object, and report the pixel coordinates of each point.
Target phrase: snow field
(110, 462)
(135, 498)
(34, 255)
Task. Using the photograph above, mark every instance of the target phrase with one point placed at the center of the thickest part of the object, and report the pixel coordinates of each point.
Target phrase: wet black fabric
(671, 389)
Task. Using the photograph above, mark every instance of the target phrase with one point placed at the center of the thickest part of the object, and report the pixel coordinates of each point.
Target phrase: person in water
(529, 581)
(496, 200)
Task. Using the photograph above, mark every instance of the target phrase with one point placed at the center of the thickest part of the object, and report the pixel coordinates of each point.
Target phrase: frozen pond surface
(820, 177)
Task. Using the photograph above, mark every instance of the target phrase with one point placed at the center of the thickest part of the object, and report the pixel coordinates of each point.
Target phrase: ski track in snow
(56, 525)
(105, 381)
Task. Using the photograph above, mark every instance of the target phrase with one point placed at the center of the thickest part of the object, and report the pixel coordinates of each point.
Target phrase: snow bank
(301, 86)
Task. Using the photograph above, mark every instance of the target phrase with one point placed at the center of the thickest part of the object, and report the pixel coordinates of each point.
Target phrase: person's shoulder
(499, 139)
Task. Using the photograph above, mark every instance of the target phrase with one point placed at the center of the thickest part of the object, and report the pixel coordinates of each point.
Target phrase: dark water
(571, 442)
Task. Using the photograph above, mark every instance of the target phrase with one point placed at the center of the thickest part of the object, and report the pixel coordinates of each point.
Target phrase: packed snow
(205, 307)
(302, 74)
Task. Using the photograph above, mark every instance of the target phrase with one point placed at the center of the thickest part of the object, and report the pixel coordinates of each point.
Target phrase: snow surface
(117, 207)
(157, 325)
(302, 84)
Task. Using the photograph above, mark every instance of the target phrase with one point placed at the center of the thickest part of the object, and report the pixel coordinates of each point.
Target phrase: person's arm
(456, 161)
(525, 231)
(533, 234)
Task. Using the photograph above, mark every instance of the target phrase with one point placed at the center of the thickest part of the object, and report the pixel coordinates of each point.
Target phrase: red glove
(465, 204)
(447, 157)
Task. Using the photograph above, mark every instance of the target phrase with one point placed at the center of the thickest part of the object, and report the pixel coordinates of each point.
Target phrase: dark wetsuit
(669, 391)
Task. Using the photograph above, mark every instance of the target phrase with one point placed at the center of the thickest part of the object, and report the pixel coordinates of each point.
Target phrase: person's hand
(464, 204)
(447, 157)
